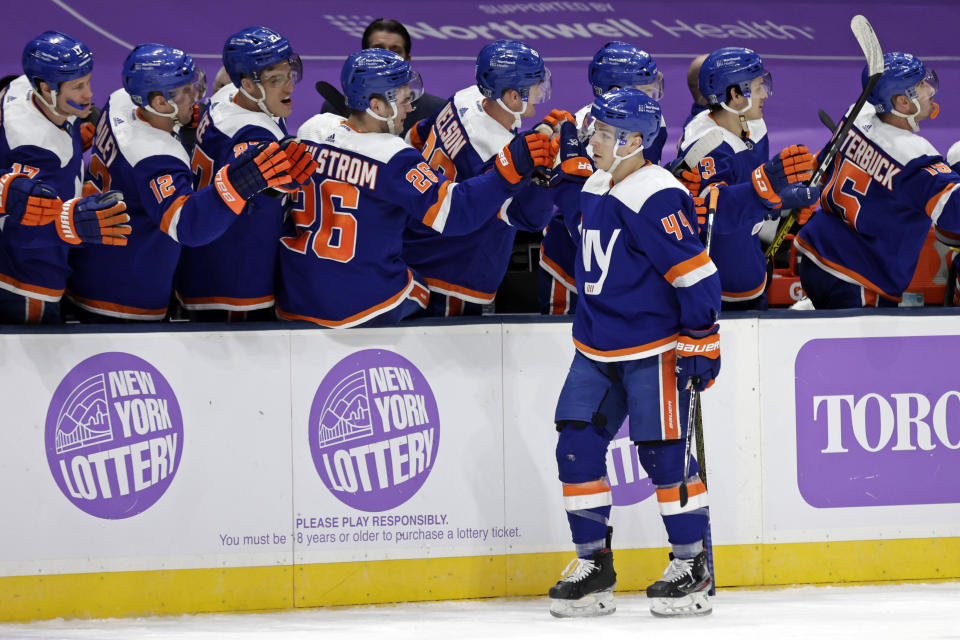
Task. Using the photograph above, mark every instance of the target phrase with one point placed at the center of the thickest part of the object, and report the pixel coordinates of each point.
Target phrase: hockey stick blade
(827, 120)
(700, 150)
(867, 39)
(334, 97)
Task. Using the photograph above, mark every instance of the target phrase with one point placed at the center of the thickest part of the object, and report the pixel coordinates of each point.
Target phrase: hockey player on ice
(752, 188)
(616, 65)
(462, 140)
(369, 186)
(41, 159)
(232, 278)
(645, 332)
(883, 190)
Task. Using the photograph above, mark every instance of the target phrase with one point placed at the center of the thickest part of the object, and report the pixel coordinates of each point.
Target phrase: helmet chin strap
(175, 116)
(260, 101)
(52, 105)
(912, 118)
(516, 114)
(741, 114)
(391, 124)
(617, 159)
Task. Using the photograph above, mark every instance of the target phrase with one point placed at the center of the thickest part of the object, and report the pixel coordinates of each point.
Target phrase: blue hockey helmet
(508, 64)
(153, 68)
(618, 64)
(377, 72)
(250, 51)
(629, 110)
(902, 72)
(731, 66)
(55, 57)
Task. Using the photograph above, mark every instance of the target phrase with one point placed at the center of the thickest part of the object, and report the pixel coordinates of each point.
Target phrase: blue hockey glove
(527, 151)
(798, 196)
(575, 166)
(28, 201)
(772, 179)
(257, 167)
(698, 358)
(96, 219)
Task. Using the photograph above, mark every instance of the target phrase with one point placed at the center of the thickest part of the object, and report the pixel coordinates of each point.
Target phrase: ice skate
(683, 589)
(587, 588)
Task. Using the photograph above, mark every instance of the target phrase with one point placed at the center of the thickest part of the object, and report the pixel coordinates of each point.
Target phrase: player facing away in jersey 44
(232, 278)
(462, 141)
(41, 161)
(137, 151)
(646, 334)
(368, 185)
(752, 187)
(885, 187)
(616, 65)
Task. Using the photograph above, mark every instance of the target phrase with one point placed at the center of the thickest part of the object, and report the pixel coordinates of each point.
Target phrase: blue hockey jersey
(235, 272)
(152, 169)
(883, 190)
(642, 273)
(344, 265)
(558, 249)
(462, 142)
(33, 260)
(735, 247)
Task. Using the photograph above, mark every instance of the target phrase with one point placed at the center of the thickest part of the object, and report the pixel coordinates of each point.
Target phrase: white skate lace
(677, 569)
(581, 569)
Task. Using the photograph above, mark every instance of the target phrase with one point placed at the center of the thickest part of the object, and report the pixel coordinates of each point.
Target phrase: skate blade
(589, 606)
(695, 604)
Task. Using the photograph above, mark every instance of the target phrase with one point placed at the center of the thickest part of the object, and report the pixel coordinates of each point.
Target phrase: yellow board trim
(140, 593)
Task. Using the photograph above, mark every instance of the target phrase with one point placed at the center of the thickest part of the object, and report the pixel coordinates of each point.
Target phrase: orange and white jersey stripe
(114, 310)
(691, 271)
(413, 290)
(456, 291)
(742, 296)
(628, 353)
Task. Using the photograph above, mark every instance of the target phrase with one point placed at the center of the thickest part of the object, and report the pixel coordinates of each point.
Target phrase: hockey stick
(867, 40)
(334, 97)
(693, 413)
(826, 120)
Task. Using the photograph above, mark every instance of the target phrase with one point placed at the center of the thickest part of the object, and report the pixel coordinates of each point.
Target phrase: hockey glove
(698, 358)
(258, 167)
(691, 179)
(28, 201)
(300, 155)
(417, 135)
(96, 219)
(523, 154)
(555, 118)
(88, 132)
(575, 166)
(791, 166)
(803, 215)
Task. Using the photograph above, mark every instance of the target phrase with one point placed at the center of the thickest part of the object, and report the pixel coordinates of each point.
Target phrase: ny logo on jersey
(593, 246)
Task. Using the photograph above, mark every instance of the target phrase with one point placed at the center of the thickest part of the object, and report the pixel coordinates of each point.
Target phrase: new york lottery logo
(374, 430)
(114, 435)
(629, 483)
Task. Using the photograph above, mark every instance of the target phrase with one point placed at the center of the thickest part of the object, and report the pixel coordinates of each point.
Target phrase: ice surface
(901, 611)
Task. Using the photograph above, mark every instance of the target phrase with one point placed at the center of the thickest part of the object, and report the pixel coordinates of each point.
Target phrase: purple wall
(808, 46)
